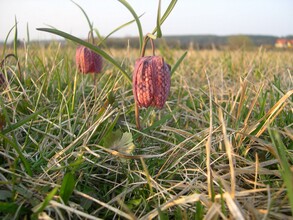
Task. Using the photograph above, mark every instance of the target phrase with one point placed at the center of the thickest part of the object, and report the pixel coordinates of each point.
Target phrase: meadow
(221, 148)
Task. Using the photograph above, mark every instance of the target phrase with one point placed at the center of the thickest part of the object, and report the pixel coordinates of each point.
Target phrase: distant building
(284, 43)
(290, 43)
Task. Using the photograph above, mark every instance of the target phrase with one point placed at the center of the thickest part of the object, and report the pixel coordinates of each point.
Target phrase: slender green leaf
(23, 121)
(86, 16)
(166, 14)
(178, 213)
(11, 207)
(39, 208)
(159, 32)
(161, 21)
(99, 37)
(21, 156)
(5, 42)
(13, 144)
(179, 61)
(67, 187)
(135, 202)
(90, 46)
(285, 166)
(118, 28)
(8, 207)
(125, 3)
(168, 11)
(27, 34)
(199, 214)
(162, 215)
(15, 43)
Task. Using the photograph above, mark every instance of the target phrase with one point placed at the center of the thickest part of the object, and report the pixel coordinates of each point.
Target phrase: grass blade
(67, 187)
(39, 208)
(166, 14)
(209, 147)
(13, 127)
(117, 29)
(8, 207)
(128, 6)
(5, 41)
(285, 166)
(22, 122)
(90, 46)
(168, 11)
(87, 18)
(179, 61)
(159, 31)
(21, 156)
(27, 34)
(15, 42)
(230, 154)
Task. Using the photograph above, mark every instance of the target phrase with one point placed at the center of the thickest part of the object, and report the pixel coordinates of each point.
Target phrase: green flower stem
(137, 116)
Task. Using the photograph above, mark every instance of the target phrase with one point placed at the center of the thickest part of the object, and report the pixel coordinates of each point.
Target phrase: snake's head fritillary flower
(151, 81)
(88, 61)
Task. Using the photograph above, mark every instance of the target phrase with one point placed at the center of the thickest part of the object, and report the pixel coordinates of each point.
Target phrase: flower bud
(88, 61)
(151, 81)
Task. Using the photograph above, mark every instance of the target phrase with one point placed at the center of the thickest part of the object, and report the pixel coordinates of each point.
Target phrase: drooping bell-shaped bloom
(88, 61)
(151, 81)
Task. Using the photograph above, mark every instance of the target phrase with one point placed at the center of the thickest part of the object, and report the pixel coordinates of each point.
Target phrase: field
(221, 148)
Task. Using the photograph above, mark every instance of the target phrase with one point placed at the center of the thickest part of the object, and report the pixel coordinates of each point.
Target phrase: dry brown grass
(208, 154)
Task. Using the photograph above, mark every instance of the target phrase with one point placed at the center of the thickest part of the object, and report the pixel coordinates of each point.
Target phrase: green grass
(208, 153)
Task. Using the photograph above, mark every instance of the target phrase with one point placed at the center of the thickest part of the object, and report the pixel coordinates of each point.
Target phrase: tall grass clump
(221, 148)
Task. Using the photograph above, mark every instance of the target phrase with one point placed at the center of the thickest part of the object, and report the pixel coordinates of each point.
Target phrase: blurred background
(196, 23)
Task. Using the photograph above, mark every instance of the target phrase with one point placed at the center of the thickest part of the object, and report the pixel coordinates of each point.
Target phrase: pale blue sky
(220, 17)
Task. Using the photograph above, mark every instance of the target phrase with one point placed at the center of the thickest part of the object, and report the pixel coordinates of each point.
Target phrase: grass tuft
(221, 147)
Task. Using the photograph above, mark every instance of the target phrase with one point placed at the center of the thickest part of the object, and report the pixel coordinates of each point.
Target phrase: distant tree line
(202, 41)
(190, 41)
